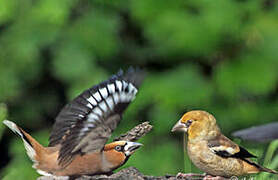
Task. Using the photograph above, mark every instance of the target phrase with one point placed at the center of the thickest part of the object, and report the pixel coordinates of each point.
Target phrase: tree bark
(130, 173)
(135, 133)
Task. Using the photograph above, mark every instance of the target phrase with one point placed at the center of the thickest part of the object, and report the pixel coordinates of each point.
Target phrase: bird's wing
(224, 147)
(86, 123)
(262, 133)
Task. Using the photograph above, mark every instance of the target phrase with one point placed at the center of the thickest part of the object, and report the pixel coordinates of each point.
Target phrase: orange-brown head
(118, 152)
(198, 124)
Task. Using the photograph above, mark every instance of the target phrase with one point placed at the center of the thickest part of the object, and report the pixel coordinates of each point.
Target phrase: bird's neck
(113, 159)
(202, 135)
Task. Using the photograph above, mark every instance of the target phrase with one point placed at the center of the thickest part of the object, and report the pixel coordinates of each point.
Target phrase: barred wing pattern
(86, 123)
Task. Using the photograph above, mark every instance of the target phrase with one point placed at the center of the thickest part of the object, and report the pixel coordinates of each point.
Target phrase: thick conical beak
(130, 147)
(179, 127)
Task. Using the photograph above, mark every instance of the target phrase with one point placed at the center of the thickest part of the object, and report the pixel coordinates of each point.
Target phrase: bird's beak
(179, 126)
(130, 147)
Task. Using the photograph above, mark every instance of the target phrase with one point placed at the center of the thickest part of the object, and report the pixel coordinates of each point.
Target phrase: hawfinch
(211, 151)
(77, 141)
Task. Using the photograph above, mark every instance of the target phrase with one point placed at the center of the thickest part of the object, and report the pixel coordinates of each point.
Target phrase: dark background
(219, 56)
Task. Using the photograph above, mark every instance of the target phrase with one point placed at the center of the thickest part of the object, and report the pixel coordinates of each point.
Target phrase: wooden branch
(136, 133)
(124, 174)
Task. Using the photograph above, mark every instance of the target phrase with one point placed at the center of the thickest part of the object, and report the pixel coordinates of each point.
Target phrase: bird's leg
(188, 175)
(209, 177)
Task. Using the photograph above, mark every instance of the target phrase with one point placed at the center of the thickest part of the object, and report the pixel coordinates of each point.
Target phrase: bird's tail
(33, 148)
(261, 168)
(264, 169)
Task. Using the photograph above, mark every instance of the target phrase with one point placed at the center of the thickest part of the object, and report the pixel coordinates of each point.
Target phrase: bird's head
(118, 152)
(198, 124)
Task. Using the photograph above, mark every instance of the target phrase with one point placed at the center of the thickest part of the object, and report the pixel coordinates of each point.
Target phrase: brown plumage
(77, 142)
(211, 151)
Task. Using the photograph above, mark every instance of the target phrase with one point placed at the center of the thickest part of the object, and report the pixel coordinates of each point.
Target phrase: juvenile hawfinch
(211, 151)
(77, 141)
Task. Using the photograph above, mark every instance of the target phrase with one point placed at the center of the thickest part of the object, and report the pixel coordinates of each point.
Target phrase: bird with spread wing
(82, 128)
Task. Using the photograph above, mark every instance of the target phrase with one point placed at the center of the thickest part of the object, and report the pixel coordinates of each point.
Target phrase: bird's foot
(209, 177)
(189, 175)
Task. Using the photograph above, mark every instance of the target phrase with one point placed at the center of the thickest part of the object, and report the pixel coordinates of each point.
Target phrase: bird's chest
(200, 154)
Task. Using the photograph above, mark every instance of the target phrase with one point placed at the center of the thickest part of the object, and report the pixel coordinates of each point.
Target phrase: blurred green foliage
(270, 160)
(220, 56)
(3, 115)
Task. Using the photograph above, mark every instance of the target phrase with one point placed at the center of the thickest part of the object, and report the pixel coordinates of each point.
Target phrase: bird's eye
(189, 122)
(118, 148)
